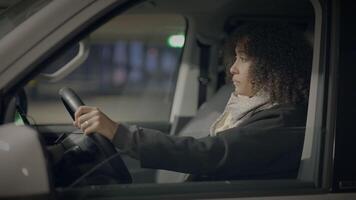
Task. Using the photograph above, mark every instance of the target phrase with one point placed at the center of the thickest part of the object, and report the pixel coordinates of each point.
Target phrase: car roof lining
(228, 7)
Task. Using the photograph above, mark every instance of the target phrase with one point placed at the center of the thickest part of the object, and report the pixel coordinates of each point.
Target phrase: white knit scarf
(238, 109)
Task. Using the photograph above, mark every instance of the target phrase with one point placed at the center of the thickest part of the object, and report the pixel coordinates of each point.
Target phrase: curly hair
(281, 57)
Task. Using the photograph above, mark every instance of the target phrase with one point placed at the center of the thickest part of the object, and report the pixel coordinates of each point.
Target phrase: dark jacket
(267, 145)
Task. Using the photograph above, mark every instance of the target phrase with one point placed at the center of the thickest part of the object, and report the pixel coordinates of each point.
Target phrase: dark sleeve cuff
(124, 139)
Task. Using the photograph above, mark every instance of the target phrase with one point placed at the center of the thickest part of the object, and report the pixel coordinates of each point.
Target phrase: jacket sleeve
(157, 150)
(267, 145)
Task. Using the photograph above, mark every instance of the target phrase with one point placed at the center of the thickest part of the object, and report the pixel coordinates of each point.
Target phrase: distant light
(176, 41)
(25, 171)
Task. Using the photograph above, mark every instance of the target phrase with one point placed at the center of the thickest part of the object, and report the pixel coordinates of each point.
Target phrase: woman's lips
(236, 82)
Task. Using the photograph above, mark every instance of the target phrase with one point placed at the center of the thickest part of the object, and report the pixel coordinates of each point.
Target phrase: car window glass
(130, 72)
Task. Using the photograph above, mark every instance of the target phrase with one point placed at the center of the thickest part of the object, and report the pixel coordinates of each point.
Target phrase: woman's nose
(233, 69)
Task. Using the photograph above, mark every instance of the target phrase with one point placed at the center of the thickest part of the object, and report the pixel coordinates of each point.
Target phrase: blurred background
(130, 72)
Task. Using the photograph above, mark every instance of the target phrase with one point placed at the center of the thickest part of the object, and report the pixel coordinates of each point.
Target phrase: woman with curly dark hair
(259, 134)
(272, 66)
(281, 60)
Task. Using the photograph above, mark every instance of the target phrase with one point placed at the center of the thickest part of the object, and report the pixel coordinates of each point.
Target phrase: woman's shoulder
(281, 115)
(286, 109)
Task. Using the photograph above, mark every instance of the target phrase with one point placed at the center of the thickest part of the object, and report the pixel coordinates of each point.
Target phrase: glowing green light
(18, 119)
(176, 41)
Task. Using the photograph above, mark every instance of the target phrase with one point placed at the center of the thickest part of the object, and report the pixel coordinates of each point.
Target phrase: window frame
(233, 188)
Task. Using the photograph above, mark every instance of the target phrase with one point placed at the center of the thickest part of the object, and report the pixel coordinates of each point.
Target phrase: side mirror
(23, 169)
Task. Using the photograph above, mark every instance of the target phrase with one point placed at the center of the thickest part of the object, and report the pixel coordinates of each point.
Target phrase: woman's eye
(241, 59)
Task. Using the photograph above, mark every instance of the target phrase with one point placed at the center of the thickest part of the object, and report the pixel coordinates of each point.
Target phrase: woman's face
(240, 72)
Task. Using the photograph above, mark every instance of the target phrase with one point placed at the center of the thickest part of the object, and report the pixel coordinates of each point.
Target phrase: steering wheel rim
(72, 102)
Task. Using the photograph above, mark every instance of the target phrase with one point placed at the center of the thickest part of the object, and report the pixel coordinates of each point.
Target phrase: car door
(315, 186)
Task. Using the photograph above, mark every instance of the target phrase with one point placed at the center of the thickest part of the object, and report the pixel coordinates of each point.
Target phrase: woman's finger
(85, 117)
(82, 110)
(85, 125)
(91, 120)
(91, 128)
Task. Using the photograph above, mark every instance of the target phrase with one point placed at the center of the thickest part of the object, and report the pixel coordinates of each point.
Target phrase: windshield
(18, 13)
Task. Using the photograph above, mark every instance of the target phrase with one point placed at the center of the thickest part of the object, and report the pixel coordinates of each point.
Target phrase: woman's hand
(92, 120)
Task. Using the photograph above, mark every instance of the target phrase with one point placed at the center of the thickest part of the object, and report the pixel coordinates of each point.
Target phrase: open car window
(130, 72)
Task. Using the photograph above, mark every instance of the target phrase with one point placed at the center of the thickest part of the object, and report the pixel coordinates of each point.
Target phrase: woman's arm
(153, 148)
(160, 151)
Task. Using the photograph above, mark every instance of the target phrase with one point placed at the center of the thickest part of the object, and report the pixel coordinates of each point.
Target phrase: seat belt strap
(203, 79)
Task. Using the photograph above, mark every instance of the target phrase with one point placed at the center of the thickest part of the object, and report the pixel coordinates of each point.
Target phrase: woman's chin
(237, 93)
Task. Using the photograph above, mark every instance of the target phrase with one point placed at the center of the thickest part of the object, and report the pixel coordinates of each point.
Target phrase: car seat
(199, 127)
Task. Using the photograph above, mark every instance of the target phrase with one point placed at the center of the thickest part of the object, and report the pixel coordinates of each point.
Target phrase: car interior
(200, 89)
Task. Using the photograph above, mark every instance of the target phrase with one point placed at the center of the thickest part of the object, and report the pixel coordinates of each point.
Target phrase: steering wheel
(72, 102)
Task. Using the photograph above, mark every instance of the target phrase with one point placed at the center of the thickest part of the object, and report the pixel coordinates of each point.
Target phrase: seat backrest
(199, 127)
